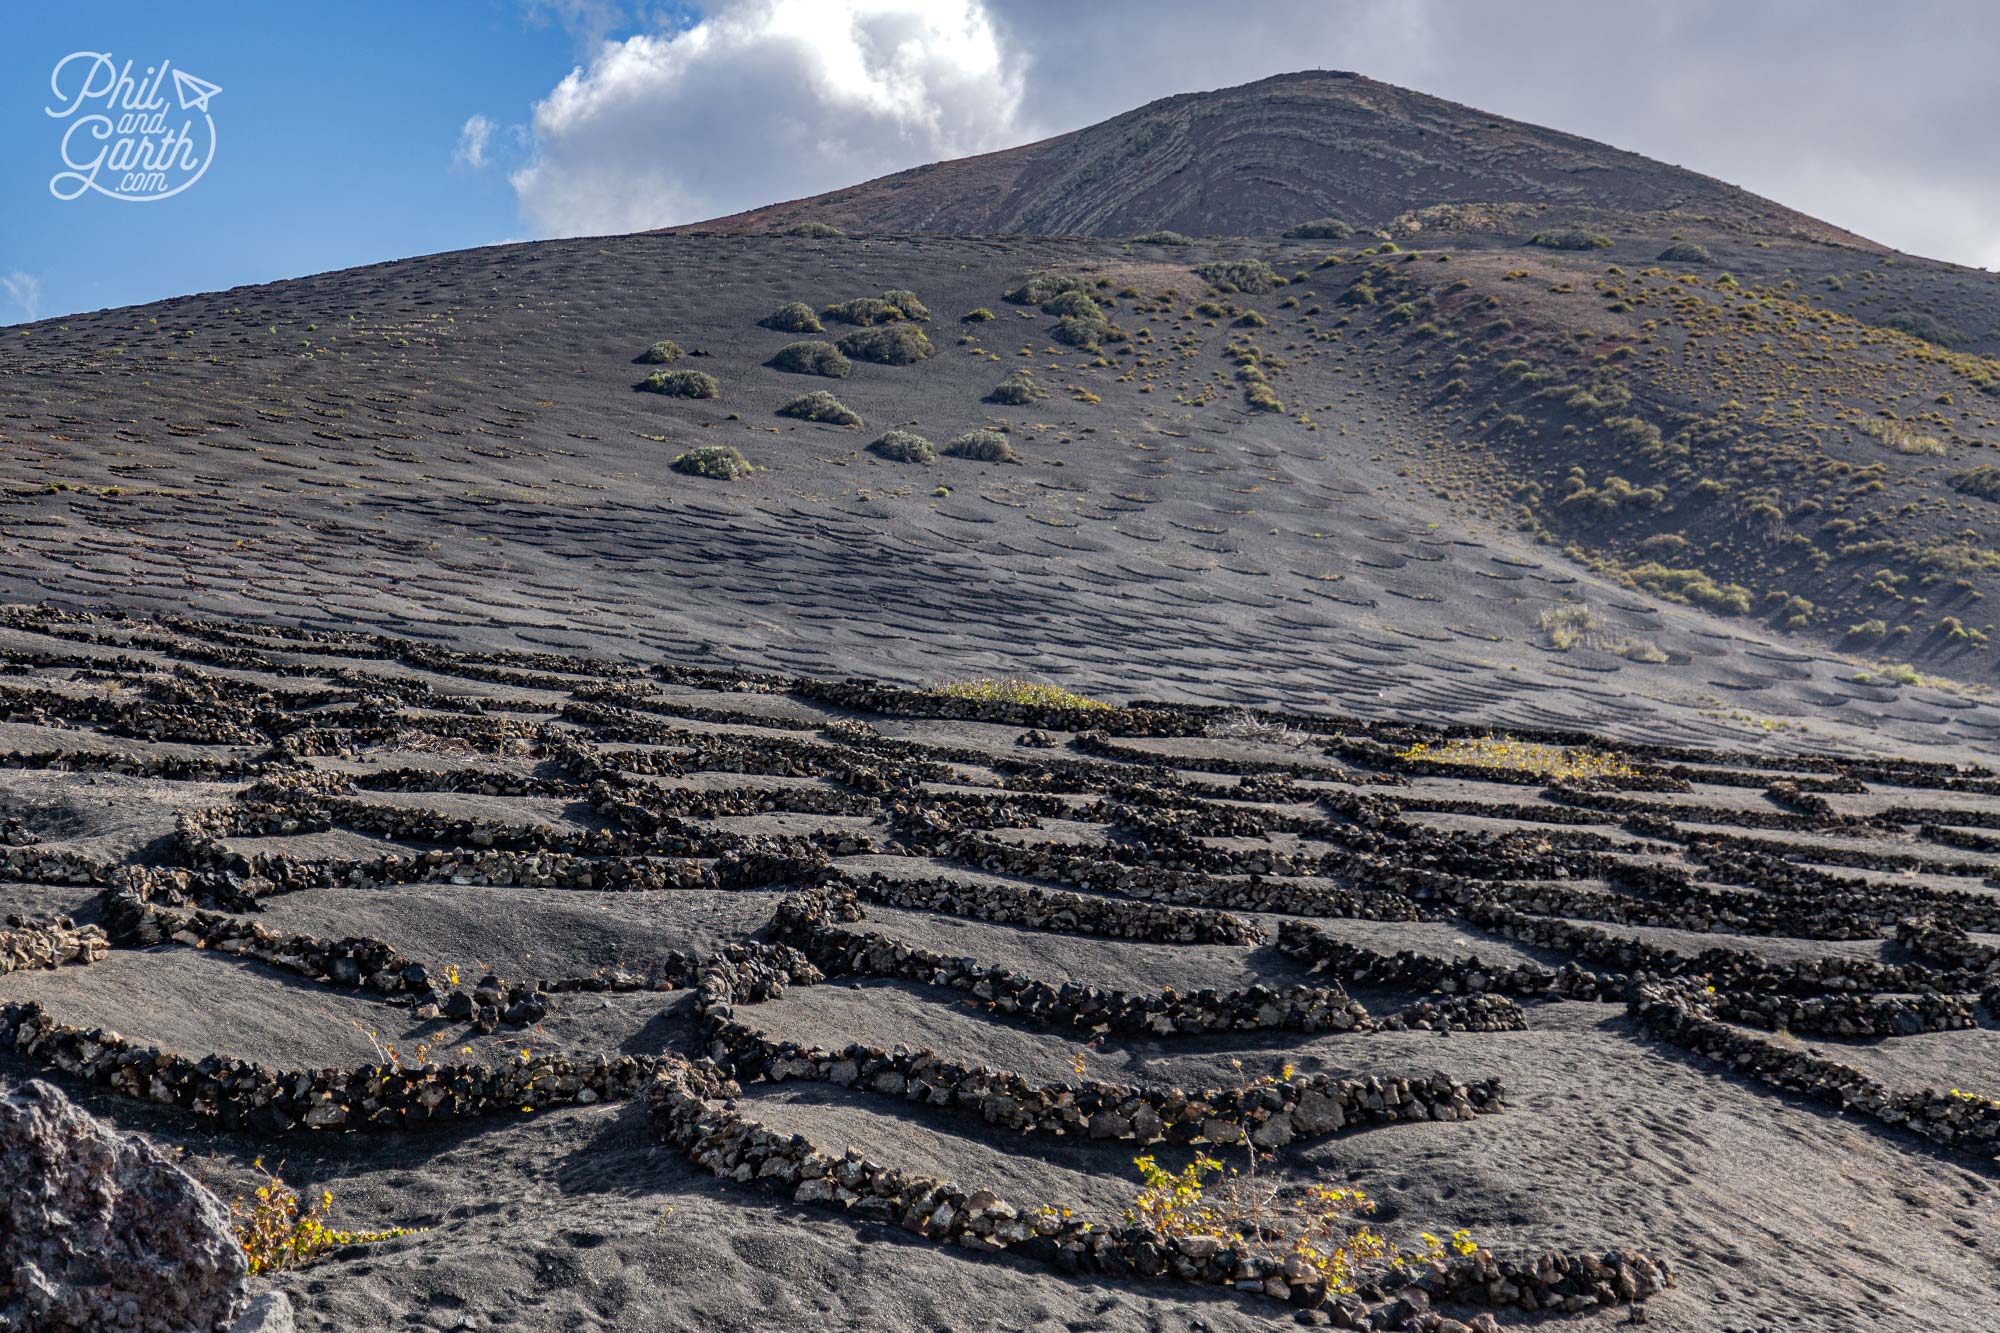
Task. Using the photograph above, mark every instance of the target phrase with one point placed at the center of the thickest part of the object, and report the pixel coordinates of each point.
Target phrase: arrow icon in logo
(194, 93)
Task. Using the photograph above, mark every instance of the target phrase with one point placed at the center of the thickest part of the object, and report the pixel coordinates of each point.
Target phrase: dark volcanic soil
(1777, 1211)
(432, 615)
(401, 448)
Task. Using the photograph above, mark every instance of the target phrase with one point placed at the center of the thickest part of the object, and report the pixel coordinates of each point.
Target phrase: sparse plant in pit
(276, 1232)
(717, 462)
(812, 358)
(819, 405)
(893, 345)
(682, 384)
(983, 446)
(902, 446)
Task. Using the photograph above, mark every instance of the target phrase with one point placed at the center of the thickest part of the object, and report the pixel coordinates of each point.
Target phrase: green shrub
(1686, 252)
(1982, 481)
(1259, 397)
(661, 352)
(821, 230)
(812, 358)
(819, 405)
(1163, 238)
(1570, 238)
(1017, 390)
(1691, 586)
(865, 310)
(1319, 229)
(893, 345)
(793, 317)
(1635, 433)
(1959, 558)
(717, 462)
(1046, 287)
(979, 316)
(1079, 304)
(904, 446)
(1921, 324)
(908, 303)
(985, 446)
(1243, 275)
(1086, 333)
(682, 384)
(1901, 436)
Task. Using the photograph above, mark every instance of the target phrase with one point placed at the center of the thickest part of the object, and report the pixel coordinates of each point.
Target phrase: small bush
(1982, 481)
(812, 358)
(1570, 238)
(661, 352)
(793, 317)
(979, 316)
(864, 310)
(1567, 626)
(894, 345)
(1691, 586)
(1260, 397)
(1086, 333)
(1686, 252)
(819, 405)
(1319, 229)
(1959, 558)
(817, 230)
(1046, 287)
(1163, 238)
(984, 446)
(1017, 390)
(908, 303)
(1243, 275)
(1079, 304)
(1921, 324)
(682, 384)
(1903, 438)
(717, 462)
(904, 446)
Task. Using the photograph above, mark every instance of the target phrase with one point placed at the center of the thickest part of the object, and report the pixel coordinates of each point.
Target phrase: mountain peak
(1264, 156)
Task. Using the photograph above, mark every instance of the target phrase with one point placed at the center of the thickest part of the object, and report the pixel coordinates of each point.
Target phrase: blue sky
(335, 130)
(342, 130)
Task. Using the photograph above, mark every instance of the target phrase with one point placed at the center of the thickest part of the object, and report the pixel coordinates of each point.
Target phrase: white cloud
(768, 100)
(472, 141)
(761, 101)
(25, 291)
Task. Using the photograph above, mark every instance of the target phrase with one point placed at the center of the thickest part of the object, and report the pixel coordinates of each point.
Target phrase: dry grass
(1509, 755)
(1573, 625)
(1247, 726)
(1900, 436)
